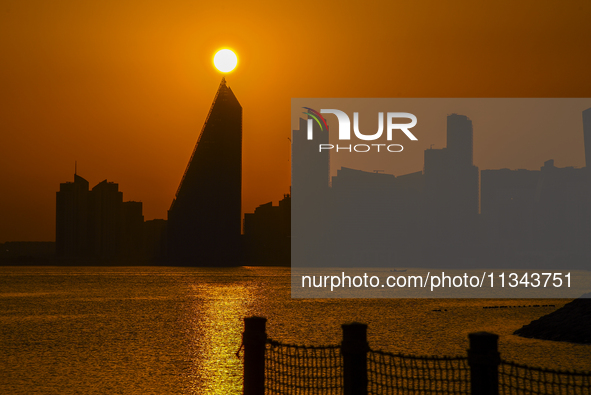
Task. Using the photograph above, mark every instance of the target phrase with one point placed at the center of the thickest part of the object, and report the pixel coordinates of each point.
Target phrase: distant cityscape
(204, 226)
(448, 214)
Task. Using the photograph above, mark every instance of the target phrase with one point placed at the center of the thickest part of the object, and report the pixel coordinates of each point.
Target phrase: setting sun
(225, 60)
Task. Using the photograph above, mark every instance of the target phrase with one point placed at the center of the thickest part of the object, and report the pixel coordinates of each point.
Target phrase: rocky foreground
(571, 323)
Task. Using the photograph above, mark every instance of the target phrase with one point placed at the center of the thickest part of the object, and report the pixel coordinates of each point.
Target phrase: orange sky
(124, 87)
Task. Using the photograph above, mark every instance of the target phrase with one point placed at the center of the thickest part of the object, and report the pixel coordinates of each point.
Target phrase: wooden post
(254, 339)
(484, 360)
(354, 349)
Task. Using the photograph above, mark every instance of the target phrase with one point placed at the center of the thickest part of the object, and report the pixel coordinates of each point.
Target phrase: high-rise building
(105, 208)
(204, 220)
(451, 187)
(463, 175)
(459, 140)
(71, 225)
(132, 230)
(310, 172)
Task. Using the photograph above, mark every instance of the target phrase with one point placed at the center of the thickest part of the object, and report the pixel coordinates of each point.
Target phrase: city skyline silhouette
(101, 107)
(204, 221)
(450, 214)
(442, 204)
(127, 96)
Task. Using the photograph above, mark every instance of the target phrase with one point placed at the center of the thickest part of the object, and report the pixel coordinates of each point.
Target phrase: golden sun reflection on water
(164, 330)
(217, 368)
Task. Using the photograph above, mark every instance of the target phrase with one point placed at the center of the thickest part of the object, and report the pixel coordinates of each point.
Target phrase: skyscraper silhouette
(132, 224)
(71, 233)
(310, 173)
(105, 205)
(463, 177)
(205, 215)
(451, 188)
(460, 141)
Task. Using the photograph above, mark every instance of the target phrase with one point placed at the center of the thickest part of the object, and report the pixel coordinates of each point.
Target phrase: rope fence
(303, 369)
(352, 368)
(516, 379)
(406, 374)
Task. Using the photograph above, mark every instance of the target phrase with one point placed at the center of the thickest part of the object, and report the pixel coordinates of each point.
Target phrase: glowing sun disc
(225, 60)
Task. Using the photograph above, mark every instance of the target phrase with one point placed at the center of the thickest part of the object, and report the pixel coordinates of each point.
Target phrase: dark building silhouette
(376, 217)
(436, 170)
(204, 220)
(529, 212)
(563, 209)
(71, 225)
(371, 218)
(96, 225)
(539, 217)
(310, 174)
(508, 199)
(155, 240)
(132, 230)
(460, 141)
(105, 209)
(462, 177)
(451, 193)
(267, 234)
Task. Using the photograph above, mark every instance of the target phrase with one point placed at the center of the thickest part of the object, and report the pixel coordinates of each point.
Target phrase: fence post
(254, 339)
(354, 349)
(484, 360)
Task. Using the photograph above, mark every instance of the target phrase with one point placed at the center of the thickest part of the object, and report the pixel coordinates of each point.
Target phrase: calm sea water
(160, 330)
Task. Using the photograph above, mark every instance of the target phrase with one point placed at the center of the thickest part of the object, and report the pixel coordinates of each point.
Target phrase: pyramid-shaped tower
(204, 220)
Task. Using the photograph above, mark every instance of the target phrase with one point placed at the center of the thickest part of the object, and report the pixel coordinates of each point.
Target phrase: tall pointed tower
(204, 220)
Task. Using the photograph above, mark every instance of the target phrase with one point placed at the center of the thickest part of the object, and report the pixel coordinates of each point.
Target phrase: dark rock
(571, 323)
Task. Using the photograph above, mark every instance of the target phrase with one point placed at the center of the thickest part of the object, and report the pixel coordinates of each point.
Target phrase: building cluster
(267, 232)
(448, 214)
(97, 225)
(205, 217)
(546, 210)
(445, 215)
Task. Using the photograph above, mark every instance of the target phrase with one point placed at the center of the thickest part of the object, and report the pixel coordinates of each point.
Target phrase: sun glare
(225, 60)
